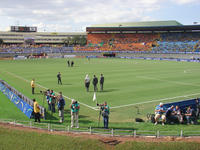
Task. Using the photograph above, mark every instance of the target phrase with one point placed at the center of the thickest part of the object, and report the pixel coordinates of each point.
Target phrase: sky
(76, 15)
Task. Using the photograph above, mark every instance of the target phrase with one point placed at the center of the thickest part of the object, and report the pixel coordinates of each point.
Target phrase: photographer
(61, 105)
(105, 113)
(47, 94)
(52, 101)
(74, 113)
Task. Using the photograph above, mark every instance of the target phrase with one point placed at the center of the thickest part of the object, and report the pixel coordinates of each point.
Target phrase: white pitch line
(176, 82)
(12, 74)
(158, 100)
(96, 108)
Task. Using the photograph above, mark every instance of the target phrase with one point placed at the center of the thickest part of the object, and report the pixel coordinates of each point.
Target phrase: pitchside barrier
(151, 58)
(101, 131)
(22, 102)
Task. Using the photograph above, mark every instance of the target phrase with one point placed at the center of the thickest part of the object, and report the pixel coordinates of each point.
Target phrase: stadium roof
(141, 24)
(42, 33)
(150, 26)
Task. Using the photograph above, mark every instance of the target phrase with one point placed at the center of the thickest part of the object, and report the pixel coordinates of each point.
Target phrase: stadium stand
(121, 42)
(147, 37)
(154, 36)
(178, 42)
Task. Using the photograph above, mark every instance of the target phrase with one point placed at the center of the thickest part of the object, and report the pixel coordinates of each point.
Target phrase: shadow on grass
(53, 118)
(118, 128)
(67, 84)
(104, 91)
(85, 121)
(50, 115)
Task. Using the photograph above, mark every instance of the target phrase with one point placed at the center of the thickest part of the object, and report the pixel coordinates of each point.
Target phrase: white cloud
(43, 12)
(66, 15)
(183, 2)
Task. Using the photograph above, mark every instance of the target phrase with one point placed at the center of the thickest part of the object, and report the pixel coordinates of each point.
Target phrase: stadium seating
(121, 42)
(178, 42)
(157, 42)
(139, 42)
(18, 49)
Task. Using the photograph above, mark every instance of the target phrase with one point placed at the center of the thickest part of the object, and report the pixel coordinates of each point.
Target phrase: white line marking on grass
(16, 76)
(181, 83)
(158, 100)
(96, 108)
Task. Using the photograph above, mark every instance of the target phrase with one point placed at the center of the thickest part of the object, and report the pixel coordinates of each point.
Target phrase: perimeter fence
(99, 131)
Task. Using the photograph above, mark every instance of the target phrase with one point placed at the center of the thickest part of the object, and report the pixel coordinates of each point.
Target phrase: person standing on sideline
(101, 82)
(68, 63)
(95, 81)
(74, 113)
(72, 63)
(105, 113)
(61, 105)
(48, 94)
(52, 101)
(87, 82)
(36, 110)
(59, 78)
(33, 86)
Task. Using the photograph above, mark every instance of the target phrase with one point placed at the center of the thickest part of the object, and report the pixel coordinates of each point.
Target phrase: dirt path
(105, 139)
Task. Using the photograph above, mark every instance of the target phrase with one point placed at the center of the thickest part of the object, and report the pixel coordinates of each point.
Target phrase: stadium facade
(38, 37)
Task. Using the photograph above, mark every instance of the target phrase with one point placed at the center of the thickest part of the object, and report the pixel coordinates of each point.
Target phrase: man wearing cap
(160, 112)
(74, 113)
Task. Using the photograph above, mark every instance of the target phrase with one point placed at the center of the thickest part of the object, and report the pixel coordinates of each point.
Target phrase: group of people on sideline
(94, 82)
(52, 100)
(174, 114)
(74, 106)
(70, 64)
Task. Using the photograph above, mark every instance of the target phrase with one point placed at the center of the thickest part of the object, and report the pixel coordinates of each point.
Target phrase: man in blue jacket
(61, 105)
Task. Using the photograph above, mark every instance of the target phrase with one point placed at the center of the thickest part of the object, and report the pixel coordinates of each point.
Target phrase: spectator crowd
(175, 114)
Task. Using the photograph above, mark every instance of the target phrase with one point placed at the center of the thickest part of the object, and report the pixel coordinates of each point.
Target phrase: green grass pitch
(18, 140)
(129, 84)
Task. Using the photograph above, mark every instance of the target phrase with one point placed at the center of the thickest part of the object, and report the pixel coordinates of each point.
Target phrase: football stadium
(144, 65)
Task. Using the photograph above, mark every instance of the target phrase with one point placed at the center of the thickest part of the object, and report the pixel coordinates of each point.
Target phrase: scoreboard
(23, 29)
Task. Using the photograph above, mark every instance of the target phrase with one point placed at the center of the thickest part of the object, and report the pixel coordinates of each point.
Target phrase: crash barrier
(21, 101)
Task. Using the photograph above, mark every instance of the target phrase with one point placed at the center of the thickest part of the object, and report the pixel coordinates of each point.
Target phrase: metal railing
(100, 131)
(23, 97)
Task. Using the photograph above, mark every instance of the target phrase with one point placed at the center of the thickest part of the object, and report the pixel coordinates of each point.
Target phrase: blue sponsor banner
(183, 104)
(152, 58)
(23, 106)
